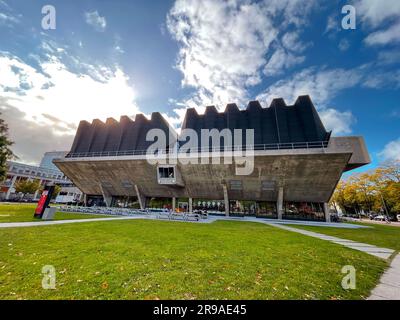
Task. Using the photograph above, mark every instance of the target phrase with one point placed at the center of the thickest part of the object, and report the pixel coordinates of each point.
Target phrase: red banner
(41, 202)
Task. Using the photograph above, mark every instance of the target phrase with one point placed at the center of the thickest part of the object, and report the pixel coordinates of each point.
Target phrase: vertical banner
(43, 201)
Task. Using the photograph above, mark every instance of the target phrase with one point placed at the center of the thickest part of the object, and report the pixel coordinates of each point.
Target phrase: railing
(256, 147)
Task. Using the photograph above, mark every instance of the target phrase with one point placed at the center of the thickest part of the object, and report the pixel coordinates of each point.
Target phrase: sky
(109, 58)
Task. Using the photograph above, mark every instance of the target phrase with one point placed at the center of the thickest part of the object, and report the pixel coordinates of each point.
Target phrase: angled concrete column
(173, 204)
(327, 213)
(14, 178)
(141, 198)
(190, 205)
(279, 203)
(226, 199)
(106, 196)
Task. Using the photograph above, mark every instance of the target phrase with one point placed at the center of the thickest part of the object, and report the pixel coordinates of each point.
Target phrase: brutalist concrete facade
(295, 158)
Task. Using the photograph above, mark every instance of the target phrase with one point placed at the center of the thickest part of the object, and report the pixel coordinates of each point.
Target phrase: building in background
(48, 157)
(46, 173)
(297, 164)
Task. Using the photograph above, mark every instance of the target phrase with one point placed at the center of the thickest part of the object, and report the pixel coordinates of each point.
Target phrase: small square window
(166, 172)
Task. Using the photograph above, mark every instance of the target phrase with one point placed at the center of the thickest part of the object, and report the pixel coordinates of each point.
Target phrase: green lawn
(149, 259)
(24, 212)
(379, 235)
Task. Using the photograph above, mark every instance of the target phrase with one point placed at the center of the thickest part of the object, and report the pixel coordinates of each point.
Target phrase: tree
(27, 186)
(377, 190)
(5, 151)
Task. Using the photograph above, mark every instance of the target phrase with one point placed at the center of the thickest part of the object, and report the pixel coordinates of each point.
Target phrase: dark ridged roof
(277, 124)
(127, 134)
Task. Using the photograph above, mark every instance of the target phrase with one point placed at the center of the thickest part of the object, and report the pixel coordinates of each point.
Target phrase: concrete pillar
(226, 200)
(173, 204)
(279, 203)
(85, 199)
(106, 196)
(141, 198)
(327, 213)
(190, 205)
(14, 178)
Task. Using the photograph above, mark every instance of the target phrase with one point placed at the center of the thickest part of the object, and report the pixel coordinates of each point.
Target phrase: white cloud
(389, 35)
(332, 24)
(389, 57)
(98, 22)
(5, 19)
(280, 60)
(58, 95)
(56, 89)
(321, 85)
(224, 44)
(391, 151)
(338, 122)
(375, 14)
(344, 44)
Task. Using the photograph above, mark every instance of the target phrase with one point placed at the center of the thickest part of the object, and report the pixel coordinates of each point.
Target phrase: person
(387, 219)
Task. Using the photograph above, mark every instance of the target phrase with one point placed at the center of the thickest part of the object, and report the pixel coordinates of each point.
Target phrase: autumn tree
(5, 151)
(27, 186)
(378, 190)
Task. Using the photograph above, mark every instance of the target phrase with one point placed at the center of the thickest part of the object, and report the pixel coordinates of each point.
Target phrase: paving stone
(396, 262)
(375, 297)
(391, 278)
(387, 291)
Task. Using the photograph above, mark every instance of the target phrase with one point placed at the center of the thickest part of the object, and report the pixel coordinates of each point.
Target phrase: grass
(148, 259)
(379, 235)
(24, 213)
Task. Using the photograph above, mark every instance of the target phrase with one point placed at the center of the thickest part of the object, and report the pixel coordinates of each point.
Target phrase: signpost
(44, 201)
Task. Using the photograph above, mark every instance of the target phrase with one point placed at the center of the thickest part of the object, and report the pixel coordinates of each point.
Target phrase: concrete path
(54, 222)
(389, 284)
(383, 253)
(210, 219)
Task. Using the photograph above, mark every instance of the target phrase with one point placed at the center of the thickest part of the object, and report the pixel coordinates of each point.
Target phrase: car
(380, 218)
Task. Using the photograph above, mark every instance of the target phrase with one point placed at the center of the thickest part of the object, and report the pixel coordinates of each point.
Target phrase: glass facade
(262, 209)
(303, 211)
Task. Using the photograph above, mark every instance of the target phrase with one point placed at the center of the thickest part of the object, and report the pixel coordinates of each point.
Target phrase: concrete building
(46, 173)
(19, 171)
(297, 163)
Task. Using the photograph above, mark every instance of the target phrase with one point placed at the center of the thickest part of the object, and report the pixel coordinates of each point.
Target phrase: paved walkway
(210, 219)
(53, 222)
(389, 284)
(383, 253)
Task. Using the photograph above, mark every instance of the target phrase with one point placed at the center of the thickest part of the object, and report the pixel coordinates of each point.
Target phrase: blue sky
(109, 58)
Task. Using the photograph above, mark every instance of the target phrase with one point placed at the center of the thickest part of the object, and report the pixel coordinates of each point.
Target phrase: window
(126, 184)
(236, 185)
(166, 172)
(268, 185)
